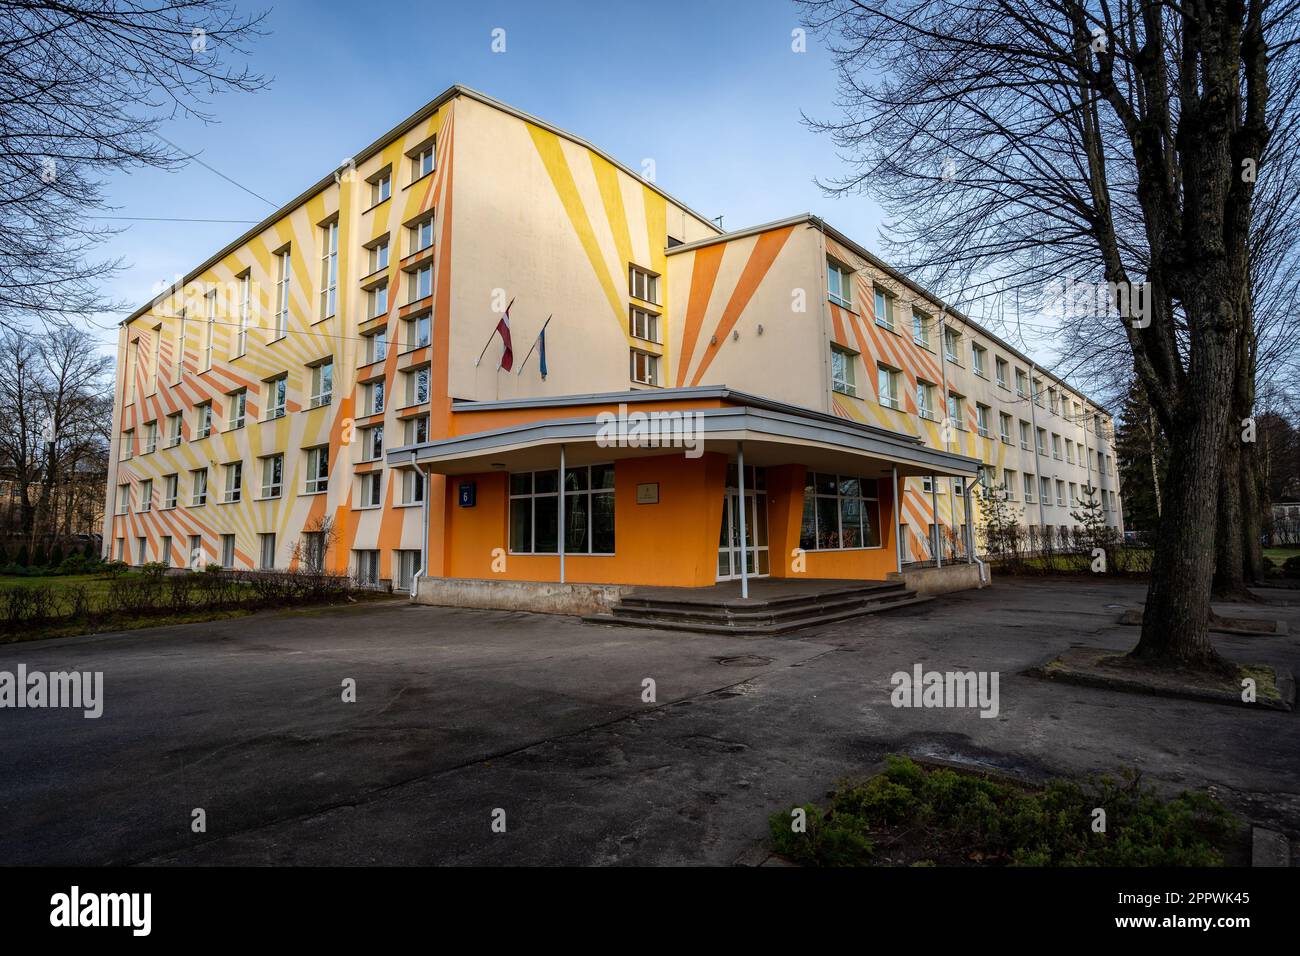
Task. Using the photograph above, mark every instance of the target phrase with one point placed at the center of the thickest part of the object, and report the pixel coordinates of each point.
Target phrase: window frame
(811, 494)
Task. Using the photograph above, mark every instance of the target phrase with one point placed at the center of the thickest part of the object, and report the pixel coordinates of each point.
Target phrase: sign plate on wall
(468, 495)
(648, 493)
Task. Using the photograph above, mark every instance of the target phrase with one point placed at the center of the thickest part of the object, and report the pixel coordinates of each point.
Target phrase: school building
(341, 386)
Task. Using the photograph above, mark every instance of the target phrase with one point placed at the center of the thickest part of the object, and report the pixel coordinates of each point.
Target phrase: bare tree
(1021, 146)
(84, 86)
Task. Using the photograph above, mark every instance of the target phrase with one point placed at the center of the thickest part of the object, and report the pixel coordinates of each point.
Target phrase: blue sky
(711, 90)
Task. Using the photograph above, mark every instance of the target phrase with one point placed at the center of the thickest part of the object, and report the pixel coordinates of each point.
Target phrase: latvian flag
(503, 327)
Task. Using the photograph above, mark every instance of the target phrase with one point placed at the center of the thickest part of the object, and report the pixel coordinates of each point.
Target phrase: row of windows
(415, 384)
(1067, 494)
(271, 468)
(840, 291)
(588, 511)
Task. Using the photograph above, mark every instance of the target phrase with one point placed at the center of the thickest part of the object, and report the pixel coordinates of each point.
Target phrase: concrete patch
(1101, 667)
(1219, 624)
(540, 596)
(1269, 848)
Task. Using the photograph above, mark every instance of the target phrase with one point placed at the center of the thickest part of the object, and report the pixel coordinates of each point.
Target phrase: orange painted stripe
(704, 273)
(762, 256)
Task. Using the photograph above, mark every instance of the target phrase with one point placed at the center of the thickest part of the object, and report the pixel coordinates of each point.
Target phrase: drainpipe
(424, 532)
(938, 531)
(898, 544)
(561, 514)
(952, 425)
(1038, 468)
(744, 550)
(970, 526)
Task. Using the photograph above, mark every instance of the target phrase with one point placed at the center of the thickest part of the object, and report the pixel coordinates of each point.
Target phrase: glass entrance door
(729, 548)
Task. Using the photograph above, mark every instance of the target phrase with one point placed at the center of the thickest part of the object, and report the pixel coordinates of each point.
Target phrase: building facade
(332, 388)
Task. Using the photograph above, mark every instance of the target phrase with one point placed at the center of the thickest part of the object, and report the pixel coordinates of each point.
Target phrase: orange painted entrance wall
(785, 486)
(674, 542)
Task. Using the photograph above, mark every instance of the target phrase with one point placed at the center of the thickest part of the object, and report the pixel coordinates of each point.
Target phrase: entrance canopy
(525, 435)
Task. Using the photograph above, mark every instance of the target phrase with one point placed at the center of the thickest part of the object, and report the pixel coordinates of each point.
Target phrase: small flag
(508, 356)
(541, 348)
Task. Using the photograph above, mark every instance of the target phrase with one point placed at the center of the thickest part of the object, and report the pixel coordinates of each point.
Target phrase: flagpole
(533, 347)
(489, 341)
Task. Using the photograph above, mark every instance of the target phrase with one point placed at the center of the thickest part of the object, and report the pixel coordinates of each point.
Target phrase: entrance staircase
(773, 607)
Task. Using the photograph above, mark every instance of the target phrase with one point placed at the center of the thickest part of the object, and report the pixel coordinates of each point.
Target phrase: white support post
(970, 524)
(898, 536)
(561, 499)
(744, 550)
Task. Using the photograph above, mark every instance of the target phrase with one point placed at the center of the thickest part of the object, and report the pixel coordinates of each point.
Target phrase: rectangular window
(1074, 494)
(643, 285)
(322, 383)
(416, 430)
(376, 347)
(123, 499)
(417, 386)
(1045, 490)
(644, 367)
(372, 489)
(1001, 368)
(237, 406)
(146, 495)
(372, 398)
(925, 400)
(367, 568)
(422, 162)
(921, 329)
(211, 336)
(843, 374)
(1004, 427)
(1022, 384)
(887, 387)
(643, 324)
(245, 312)
(199, 487)
(203, 411)
(839, 283)
(155, 356)
(421, 234)
(1041, 441)
(417, 332)
(839, 512)
(978, 358)
(982, 419)
(128, 444)
(412, 486)
(266, 551)
(141, 546)
(180, 346)
(1024, 435)
(166, 557)
(171, 485)
(588, 511)
(318, 469)
(150, 437)
(329, 269)
(272, 476)
(884, 309)
(195, 558)
(1056, 446)
(227, 550)
(175, 424)
(234, 482)
(1009, 484)
(283, 273)
(952, 346)
(277, 396)
(378, 256)
(381, 187)
(1069, 451)
(372, 443)
(1029, 488)
(419, 284)
(377, 301)
(956, 414)
(1060, 492)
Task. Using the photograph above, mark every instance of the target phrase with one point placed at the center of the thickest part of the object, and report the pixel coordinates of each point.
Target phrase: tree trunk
(1175, 623)
(1229, 557)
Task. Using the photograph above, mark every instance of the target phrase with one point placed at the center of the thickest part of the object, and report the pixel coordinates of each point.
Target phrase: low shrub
(909, 814)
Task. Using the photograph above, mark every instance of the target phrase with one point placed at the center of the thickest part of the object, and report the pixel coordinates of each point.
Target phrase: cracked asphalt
(462, 713)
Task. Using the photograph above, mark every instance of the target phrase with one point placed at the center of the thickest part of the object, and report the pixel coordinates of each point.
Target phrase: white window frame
(277, 396)
(284, 275)
(329, 270)
(245, 309)
(198, 489)
(371, 490)
(233, 491)
(322, 391)
(317, 473)
(238, 409)
(887, 379)
(643, 324)
(648, 374)
(865, 501)
(272, 483)
(643, 284)
(171, 490)
(839, 283)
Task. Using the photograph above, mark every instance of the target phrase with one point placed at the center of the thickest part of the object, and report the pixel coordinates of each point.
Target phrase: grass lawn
(1281, 554)
(96, 584)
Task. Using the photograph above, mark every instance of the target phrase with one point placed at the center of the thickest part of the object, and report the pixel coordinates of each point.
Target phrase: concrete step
(765, 612)
(751, 629)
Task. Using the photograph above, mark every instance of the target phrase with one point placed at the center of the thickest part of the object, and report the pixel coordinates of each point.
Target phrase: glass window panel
(602, 476)
(521, 524)
(850, 486)
(602, 524)
(545, 482)
(828, 523)
(825, 484)
(521, 484)
(851, 522)
(575, 479)
(576, 526)
(546, 528)
(808, 529)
